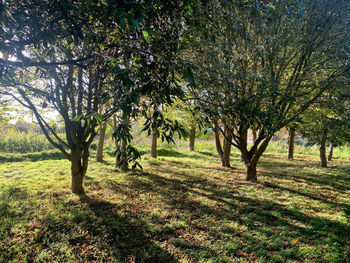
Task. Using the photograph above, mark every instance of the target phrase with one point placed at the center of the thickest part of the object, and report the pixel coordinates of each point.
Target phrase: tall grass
(12, 141)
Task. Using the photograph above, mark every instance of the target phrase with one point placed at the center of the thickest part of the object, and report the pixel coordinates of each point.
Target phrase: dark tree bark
(121, 152)
(245, 138)
(99, 152)
(330, 152)
(192, 138)
(291, 137)
(217, 142)
(323, 149)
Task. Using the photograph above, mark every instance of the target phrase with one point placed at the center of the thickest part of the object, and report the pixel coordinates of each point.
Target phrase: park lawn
(183, 207)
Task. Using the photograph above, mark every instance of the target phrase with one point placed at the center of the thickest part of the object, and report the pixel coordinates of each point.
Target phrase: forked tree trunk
(330, 152)
(227, 150)
(251, 159)
(99, 152)
(192, 138)
(218, 143)
(154, 143)
(79, 164)
(323, 149)
(291, 138)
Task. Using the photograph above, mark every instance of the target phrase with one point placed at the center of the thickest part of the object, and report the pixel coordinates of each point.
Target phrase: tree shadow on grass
(172, 153)
(260, 217)
(129, 236)
(338, 182)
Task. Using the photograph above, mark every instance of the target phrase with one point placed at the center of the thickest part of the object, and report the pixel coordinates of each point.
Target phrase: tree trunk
(79, 162)
(330, 152)
(99, 153)
(114, 125)
(121, 152)
(218, 143)
(192, 138)
(251, 174)
(154, 134)
(154, 143)
(123, 156)
(323, 149)
(227, 150)
(251, 159)
(291, 138)
(245, 138)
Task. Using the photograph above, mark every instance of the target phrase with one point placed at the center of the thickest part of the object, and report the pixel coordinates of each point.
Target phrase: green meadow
(182, 207)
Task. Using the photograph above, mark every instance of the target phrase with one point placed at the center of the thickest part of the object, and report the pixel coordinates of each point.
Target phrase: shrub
(12, 141)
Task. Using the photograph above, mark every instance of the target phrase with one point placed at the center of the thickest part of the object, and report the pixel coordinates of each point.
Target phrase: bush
(12, 141)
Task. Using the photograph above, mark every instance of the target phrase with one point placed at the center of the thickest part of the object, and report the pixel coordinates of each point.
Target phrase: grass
(183, 207)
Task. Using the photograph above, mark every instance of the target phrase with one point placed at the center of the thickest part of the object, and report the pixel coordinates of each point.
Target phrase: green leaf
(105, 3)
(88, 123)
(89, 114)
(146, 36)
(99, 118)
(78, 118)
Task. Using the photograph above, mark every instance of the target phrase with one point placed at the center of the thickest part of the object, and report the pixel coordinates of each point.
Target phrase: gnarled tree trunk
(291, 138)
(330, 152)
(323, 149)
(192, 138)
(99, 152)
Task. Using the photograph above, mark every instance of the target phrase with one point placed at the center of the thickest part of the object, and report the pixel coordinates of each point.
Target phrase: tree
(328, 121)
(263, 63)
(75, 56)
(186, 113)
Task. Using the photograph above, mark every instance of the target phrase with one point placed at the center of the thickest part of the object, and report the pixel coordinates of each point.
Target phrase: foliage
(260, 64)
(330, 117)
(74, 56)
(165, 128)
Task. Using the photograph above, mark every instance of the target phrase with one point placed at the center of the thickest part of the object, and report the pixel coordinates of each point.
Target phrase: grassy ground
(183, 207)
